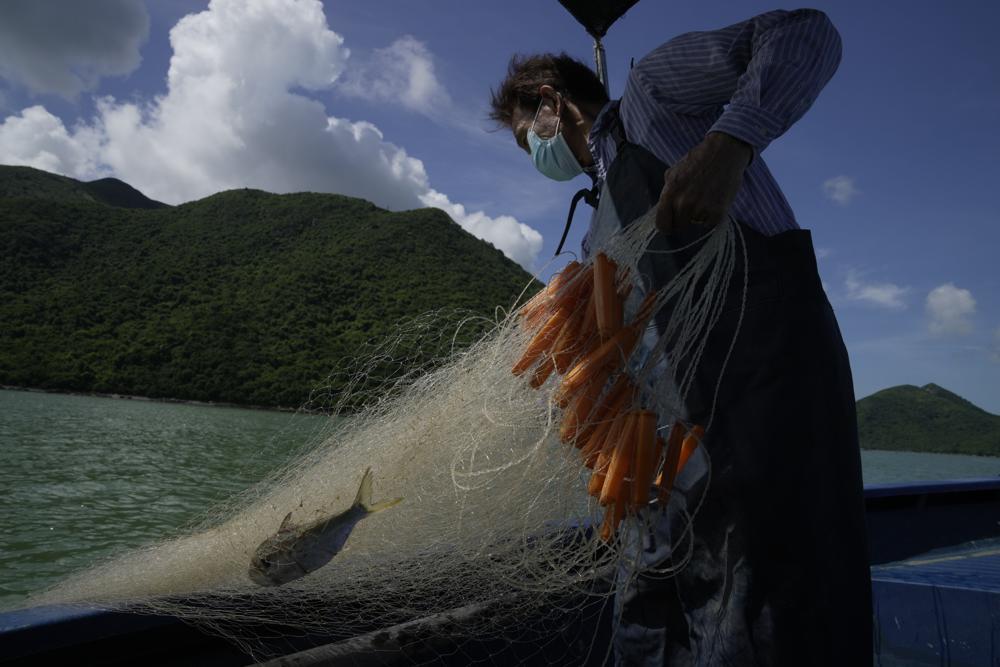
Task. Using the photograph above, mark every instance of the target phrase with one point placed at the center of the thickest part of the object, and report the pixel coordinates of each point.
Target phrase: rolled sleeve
(758, 127)
(768, 70)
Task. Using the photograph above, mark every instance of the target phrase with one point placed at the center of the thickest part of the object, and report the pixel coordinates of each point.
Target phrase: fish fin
(364, 497)
(286, 523)
(383, 505)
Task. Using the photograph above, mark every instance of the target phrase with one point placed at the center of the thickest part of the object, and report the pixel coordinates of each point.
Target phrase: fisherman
(779, 570)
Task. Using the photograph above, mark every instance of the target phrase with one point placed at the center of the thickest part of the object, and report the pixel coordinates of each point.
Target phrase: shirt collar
(600, 124)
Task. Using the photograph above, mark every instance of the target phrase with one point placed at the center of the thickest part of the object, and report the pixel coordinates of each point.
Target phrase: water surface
(84, 477)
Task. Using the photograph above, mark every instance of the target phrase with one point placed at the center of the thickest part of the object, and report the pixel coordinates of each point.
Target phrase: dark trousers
(779, 572)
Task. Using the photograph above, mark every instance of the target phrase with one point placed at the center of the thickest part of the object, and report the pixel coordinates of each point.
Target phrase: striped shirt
(751, 80)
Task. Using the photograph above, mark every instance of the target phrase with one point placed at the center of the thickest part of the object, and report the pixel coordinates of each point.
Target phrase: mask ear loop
(558, 116)
(538, 111)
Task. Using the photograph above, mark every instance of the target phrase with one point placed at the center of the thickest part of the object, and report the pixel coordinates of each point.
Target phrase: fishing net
(502, 530)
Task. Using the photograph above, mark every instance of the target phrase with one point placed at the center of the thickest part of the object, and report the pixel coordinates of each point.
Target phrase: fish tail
(383, 505)
(364, 497)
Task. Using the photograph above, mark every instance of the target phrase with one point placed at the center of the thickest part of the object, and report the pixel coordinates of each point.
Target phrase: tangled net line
(496, 515)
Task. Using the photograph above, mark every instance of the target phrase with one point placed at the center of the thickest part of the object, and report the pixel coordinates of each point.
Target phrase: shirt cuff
(751, 124)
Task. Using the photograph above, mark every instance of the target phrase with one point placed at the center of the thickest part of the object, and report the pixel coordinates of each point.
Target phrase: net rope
(495, 512)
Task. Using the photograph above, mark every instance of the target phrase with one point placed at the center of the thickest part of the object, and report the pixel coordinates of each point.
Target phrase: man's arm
(769, 69)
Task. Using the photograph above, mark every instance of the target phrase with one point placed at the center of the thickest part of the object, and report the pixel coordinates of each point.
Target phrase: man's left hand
(700, 187)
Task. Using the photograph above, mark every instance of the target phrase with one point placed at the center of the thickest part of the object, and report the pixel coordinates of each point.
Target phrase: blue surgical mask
(552, 157)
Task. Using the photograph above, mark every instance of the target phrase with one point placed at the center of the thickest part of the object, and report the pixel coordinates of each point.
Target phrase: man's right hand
(701, 186)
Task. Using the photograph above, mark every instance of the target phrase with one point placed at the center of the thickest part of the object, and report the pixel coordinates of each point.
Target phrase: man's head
(550, 92)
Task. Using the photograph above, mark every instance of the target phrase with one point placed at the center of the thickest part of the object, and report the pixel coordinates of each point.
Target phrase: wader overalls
(779, 571)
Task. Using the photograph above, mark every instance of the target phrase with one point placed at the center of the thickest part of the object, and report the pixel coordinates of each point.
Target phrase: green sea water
(82, 478)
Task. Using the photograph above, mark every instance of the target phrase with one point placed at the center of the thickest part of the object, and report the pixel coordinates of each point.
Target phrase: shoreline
(922, 451)
(284, 410)
(180, 401)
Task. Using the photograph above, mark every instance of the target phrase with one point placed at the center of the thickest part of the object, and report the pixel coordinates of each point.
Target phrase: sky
(894, 169)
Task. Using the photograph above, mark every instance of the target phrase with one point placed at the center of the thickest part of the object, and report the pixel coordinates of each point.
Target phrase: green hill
(25, 182)
(113, 192)
(926, 419)
(244, 296)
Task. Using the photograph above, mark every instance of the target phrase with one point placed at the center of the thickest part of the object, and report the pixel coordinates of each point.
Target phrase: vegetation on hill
(25, 182)
(926, 419)
(243, 297)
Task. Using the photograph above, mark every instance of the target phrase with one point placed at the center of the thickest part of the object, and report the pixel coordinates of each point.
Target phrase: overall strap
(592, 194)
(616, 128)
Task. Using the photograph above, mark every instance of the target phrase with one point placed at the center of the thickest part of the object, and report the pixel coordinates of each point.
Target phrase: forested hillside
(244, 296)
(926, 419)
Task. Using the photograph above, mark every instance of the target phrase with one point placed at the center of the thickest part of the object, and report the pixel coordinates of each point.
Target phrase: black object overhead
(597, 15)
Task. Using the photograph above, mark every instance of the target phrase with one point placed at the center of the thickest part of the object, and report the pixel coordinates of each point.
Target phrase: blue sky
(894, 169)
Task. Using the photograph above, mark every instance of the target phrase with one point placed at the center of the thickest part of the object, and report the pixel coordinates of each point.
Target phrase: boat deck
(975, 565)
(939, 608)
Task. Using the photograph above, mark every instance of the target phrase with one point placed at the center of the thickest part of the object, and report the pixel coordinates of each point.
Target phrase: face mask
(552, 157)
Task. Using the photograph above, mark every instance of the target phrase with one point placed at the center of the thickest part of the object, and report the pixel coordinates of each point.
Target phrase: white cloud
(950, 309)
(840, 189)
(38, 139)
(230, 119)
(66, 47)
(823, 253)
(402, 73)
(518, 241)
(885, 295)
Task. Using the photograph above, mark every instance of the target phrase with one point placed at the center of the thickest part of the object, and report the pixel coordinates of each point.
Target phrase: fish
(295, 551)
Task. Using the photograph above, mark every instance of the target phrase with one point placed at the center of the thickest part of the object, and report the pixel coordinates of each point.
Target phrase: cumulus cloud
(518, 241)
(840, 189)
(402, 73)
(65, 48)
(885, 295)
(38, 139)
(231, 117)
(950, 310)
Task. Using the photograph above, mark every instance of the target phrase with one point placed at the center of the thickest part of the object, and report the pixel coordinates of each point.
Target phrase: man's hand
(700, 187)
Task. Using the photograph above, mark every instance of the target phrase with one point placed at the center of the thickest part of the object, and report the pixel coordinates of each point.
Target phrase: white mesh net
(496, 516)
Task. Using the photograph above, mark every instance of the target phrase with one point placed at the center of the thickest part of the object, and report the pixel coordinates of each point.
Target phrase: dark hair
(525, 74)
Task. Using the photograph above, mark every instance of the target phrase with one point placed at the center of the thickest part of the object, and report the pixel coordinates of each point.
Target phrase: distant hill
(113, 192)
(26, 182)
(926, 419)
(244, 296)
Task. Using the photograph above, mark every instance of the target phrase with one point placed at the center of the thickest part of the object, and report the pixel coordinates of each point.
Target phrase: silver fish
(295, 551)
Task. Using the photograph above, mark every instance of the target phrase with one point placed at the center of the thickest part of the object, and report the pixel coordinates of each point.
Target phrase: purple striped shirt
(751, 80)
